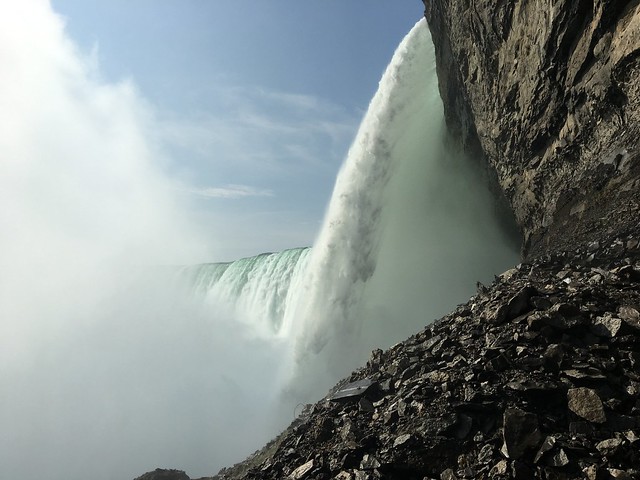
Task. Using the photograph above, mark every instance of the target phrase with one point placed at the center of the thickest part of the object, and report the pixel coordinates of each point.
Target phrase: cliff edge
(549, 94)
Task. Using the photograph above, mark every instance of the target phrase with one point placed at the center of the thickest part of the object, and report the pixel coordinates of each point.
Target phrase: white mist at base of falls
(109, 370)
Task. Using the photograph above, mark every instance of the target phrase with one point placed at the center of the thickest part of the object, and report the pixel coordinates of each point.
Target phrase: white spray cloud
(108, 369)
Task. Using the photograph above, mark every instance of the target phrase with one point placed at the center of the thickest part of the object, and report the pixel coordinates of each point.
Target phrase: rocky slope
(538, 375)
(549, 94)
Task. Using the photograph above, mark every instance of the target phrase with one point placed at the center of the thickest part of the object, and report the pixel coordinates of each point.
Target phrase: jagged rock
(349, 432)
(589, 373)
(402, 440)
(499, 469)
(530, 385)
(353, 390)
(586, 403)
(630, 316)
(631, 437)
(560, 459)
(344, 476)
(547, 445)
(590, 472)
(606, 326)
(429, 344)
(365, 405)
(517, 305)
(553, 356)
(302, 471)
(609, 446)
(448, 474)
(369, 462)
(437, 376)
(619, 474)
(520, 432)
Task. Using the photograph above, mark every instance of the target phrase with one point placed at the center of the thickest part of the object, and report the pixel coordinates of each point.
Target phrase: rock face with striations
(549, 93)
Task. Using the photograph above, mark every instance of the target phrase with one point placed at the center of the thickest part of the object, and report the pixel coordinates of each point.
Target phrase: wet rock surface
(541, 393)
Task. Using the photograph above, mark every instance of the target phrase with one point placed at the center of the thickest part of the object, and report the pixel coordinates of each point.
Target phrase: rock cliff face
(549, 93)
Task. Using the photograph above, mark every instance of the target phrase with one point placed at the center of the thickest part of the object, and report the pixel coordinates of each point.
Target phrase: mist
(108, 366)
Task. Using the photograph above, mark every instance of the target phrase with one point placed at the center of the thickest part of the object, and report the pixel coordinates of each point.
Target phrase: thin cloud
(283, 100)
(231, 192)
(253, 132)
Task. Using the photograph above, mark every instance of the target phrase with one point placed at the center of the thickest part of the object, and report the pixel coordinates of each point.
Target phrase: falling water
(410, 228)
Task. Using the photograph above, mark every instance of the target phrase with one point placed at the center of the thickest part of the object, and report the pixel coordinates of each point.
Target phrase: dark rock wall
(549, 93)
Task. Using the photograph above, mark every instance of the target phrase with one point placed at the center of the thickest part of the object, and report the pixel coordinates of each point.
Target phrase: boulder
(586, 403)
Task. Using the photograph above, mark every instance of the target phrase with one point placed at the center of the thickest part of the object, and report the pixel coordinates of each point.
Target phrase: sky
(254, 103)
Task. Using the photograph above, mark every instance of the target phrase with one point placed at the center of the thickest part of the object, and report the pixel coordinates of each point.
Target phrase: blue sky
(256, 102)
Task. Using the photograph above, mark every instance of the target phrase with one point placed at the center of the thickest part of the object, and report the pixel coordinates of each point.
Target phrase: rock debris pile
(537, 376)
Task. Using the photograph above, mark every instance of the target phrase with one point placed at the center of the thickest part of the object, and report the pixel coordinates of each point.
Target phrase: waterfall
(410, 228)
(253, 290)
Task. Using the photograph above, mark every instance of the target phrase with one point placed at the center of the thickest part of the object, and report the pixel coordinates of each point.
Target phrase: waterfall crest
(254, 290)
